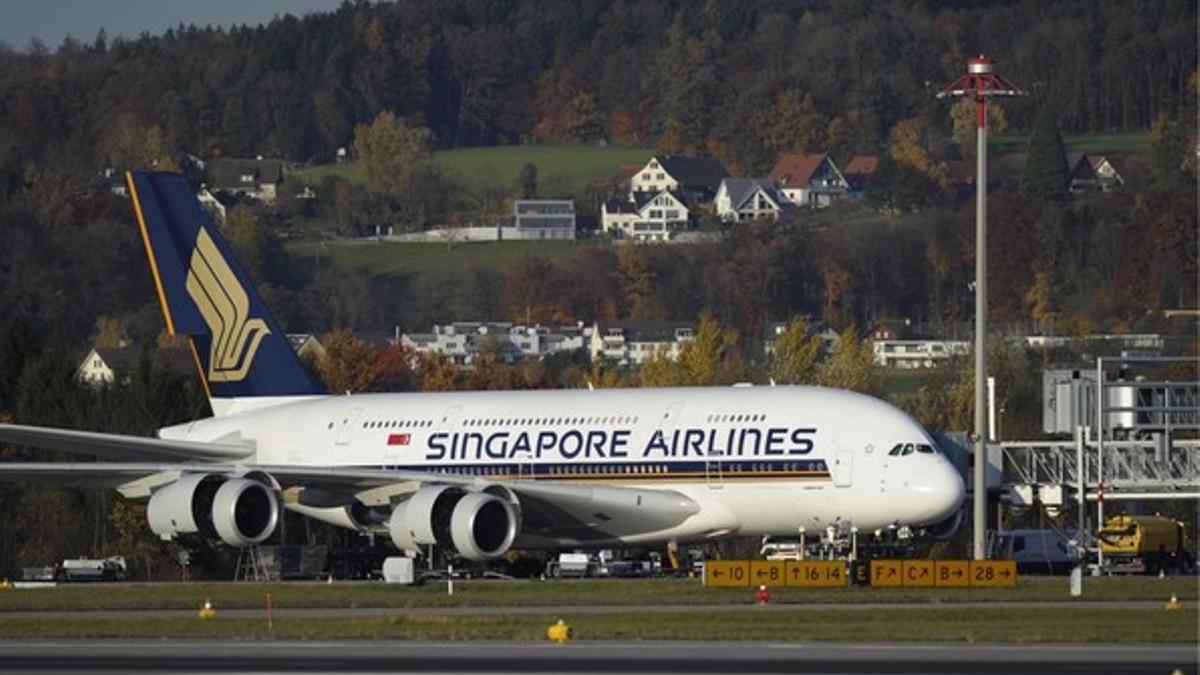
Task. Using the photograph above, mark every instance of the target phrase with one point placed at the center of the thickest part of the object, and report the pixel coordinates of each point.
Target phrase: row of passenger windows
(549, 421)
(736, 418)
(627, 469)
(910, 448)
(397, 424)
(552, 421)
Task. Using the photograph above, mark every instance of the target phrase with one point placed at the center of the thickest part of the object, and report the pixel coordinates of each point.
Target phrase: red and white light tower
(982, 82)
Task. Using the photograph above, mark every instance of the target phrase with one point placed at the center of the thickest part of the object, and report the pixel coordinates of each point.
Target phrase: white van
(1036, 551)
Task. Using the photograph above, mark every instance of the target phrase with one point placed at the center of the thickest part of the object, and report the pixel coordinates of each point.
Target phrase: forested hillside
(743, 80)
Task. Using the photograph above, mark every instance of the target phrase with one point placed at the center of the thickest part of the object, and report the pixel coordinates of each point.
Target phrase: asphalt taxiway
(609, 658)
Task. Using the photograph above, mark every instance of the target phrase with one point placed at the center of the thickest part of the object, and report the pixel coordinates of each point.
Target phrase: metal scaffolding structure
(1145, 444)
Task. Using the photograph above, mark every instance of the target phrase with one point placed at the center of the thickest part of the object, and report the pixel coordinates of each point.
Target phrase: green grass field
(403, 259)
(1117, 143)
(562, 169)
(534, 604)
(893, 625)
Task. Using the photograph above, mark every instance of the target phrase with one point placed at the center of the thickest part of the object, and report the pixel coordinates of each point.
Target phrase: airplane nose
(940, 491)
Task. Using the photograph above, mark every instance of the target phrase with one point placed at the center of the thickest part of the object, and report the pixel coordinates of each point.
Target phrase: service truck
(1145, 544)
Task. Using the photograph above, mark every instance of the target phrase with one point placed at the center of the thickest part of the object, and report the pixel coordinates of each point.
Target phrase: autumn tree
(711, 356)
(349, 365)
(797, 348)
(394, 369)
(1041, 302)
(128, 144)
(851, 365)
(390, 149)
(110, 333)
(908, 147)
(965, 125)
(437, 372)
(1169, 148)
(661, 370)
(532, 292)
(257, 248)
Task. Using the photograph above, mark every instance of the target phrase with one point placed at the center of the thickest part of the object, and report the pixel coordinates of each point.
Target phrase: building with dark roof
(108, 365)
(256, 179)
(633, 342)
(1094, 173)
(859, 170)
(697, 178)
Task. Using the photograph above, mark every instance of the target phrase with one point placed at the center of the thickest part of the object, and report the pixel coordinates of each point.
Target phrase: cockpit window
(910, 448)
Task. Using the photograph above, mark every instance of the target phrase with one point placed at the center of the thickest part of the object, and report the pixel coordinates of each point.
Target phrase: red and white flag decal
(399, 439)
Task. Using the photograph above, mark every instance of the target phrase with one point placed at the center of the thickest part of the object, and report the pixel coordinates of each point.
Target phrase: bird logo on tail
(225, 307)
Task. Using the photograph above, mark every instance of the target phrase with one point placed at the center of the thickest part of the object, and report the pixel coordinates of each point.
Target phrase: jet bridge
(1136, 427)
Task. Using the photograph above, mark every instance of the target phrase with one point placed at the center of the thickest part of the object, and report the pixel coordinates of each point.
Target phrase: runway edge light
(559, 632)
(207, 611)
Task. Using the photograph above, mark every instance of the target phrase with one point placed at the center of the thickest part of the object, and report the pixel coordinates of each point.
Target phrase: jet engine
(478, 525)
(241, 511)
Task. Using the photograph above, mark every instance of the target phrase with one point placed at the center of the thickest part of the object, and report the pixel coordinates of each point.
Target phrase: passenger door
(843, 468)
(346, 426)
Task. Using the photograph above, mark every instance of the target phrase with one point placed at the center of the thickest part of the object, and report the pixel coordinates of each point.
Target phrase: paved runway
(609, 658)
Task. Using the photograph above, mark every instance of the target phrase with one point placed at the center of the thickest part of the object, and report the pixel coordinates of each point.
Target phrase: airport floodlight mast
(981, 82)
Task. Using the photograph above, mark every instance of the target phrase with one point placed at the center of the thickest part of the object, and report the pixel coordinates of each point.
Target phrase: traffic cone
(1174, 603)
(207, 611)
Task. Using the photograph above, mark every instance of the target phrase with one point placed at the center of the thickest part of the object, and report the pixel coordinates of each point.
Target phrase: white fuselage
(759, 460)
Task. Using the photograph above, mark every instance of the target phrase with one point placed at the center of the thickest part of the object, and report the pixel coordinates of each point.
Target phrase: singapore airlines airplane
(479, 472)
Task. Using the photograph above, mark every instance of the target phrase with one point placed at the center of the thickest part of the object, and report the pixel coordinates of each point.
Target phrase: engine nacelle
(239, 511)
(478, 525)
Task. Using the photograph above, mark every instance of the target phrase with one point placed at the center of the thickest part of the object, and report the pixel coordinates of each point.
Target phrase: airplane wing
(553, 511)
(118, 446)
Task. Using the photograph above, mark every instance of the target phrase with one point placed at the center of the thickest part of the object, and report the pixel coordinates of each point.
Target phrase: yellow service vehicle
(1148, 544)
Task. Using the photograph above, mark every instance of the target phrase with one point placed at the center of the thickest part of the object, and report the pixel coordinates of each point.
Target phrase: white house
(809, 180)
(650, 216)
(632, 343)
(828, 335)
(911, 354)
(744, 199)
(542, 219)
(696, 178)
(106, 365)
(1094, 173)
(462, 341)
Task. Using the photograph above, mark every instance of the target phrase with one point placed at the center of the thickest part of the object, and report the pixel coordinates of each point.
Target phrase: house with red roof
(809, 180)
(859, 170)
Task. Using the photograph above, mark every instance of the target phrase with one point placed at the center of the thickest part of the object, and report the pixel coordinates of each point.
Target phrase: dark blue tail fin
(239, 349)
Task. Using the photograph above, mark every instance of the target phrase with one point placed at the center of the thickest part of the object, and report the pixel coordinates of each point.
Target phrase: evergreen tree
(1046, 174)
(1168, 153)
